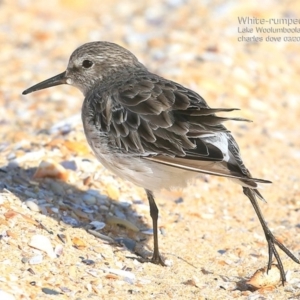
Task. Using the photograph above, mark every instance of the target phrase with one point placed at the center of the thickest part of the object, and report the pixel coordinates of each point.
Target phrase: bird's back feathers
(166, 123)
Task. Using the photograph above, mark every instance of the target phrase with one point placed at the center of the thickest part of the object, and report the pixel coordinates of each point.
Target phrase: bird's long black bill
(55, 80)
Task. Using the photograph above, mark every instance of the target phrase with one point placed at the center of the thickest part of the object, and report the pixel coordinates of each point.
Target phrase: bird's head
(90, 64)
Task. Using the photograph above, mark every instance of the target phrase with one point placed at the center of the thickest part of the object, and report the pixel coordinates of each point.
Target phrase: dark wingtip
(238, 119)
(261, 180)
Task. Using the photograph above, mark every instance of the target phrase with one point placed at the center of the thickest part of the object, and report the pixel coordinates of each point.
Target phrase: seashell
(111, 220)
(42, 243)
(97, 225)
(51, 169)
(261, 278)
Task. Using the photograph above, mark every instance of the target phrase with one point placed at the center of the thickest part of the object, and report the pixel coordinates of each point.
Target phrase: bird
(155, 132)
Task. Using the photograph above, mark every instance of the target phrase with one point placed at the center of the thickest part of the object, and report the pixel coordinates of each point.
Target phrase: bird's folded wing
(165, 122)
(149, 114)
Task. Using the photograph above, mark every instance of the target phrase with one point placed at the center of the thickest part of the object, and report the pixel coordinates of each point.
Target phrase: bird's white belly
(142, 172)
(147, 174)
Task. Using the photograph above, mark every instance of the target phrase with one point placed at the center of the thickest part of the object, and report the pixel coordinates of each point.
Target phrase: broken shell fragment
(51, 169)
(112, 220)
(263, 278)
(42, 243)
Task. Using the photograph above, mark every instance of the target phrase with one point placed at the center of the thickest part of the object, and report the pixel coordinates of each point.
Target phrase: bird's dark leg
(156, 259)
(271, 240)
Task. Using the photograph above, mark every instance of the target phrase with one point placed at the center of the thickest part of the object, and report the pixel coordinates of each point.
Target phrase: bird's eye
(87, 63)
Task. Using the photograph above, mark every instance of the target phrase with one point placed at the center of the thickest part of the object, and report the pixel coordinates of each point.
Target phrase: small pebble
(35, 260)
(24, 260)
(162, 230)
(103, 208)
(87, 180)
(147, 231)
(128, 243)
(102, 200)
(11, 156)
(29, 194)
(69, 165)
(65, 290)
(58, 250)
(119, 214)
(126, 275)
(88, 286)
(97, 225)
(88, 210)
(65, 126)
(89, 199)
(48, 291)
(88, 262)
(70, 221)
(31, 271)
(168, 262)
(93, 272)
(62, 237)
(57, 188)
(125, 204)
(55, 210)
(179, 200)
(79, 243)
(32, 205)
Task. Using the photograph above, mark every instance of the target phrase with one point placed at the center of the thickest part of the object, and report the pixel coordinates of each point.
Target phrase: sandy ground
(210, 236)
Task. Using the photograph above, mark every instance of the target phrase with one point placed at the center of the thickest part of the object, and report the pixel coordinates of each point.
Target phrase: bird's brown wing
(165, 122)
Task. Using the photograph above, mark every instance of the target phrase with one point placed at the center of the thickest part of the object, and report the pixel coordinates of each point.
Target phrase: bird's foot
(272, 241)
(156, 259)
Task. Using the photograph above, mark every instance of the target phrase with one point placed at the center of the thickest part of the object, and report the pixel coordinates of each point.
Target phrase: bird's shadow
(19, 181)
(23, 186)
